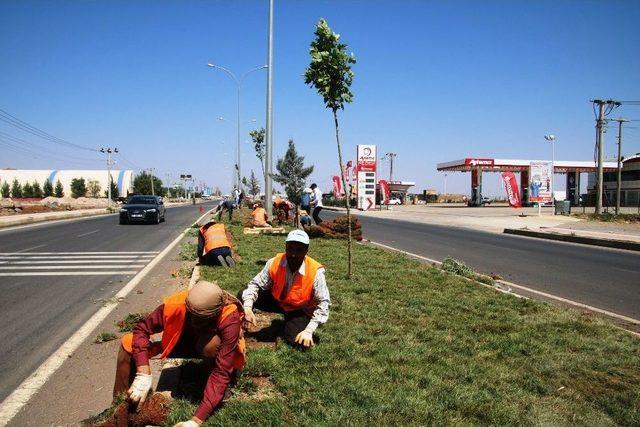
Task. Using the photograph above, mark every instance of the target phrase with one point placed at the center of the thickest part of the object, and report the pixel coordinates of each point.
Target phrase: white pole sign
(367, 166)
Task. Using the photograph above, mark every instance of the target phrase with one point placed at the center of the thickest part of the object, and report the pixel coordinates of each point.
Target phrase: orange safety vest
(174, 315)
(300, 295)
(259, 216)
(214, 237)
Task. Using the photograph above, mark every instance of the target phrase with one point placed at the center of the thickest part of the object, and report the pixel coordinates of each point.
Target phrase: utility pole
(153, 193)
(619, 175)
(269, 121)
(108, 151)
(390, 156)
(600, 121)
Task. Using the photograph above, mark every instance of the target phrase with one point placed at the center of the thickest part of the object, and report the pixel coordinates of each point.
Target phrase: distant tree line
(79, 188)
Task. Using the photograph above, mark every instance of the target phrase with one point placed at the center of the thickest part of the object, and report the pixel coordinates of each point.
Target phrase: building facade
(629, 186)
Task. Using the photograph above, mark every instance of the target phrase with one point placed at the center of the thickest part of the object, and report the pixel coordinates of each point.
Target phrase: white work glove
(140, 388)
(189, 423)
(305, 338)
(249, 317)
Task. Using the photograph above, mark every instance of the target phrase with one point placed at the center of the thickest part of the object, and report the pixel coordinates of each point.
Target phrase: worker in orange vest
(259, 217)
(204, 322)
(214, 247)
(294, 284)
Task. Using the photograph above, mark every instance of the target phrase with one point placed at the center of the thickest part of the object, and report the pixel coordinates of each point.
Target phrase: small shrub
(105, 337)
(127, 324)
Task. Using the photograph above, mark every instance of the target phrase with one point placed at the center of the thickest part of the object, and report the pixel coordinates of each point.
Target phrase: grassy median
(409, 344)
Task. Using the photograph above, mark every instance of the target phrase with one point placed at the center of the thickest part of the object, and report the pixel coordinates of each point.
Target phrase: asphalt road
(604, 278)
(53, 277)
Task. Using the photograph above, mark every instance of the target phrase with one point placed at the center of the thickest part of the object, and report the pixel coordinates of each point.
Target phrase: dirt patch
(254, 388)
(266, 332)
(336, 229)
(154, 411)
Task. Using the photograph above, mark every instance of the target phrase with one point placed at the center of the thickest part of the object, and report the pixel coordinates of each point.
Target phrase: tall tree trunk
(344, 186)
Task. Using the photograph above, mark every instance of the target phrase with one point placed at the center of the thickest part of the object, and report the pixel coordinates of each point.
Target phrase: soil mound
(154, 411)
(336, 229)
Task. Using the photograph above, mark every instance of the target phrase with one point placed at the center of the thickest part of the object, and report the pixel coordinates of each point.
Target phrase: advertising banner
(511, 186)
(366, 167)
(385, 191)
(540, 176)
(337, 187)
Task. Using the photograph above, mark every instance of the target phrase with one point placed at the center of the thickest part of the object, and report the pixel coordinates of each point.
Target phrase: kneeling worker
(259, 217)
(204, 322)
(294, 284)
(213, 245)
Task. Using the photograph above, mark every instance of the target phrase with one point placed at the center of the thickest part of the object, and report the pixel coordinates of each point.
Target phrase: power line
(22, 125)
(21, 141)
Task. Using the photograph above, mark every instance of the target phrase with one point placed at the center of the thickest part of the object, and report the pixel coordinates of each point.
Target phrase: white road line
(35, 247)
(79, 253)
(30, 386)
(86, 234)
(67, 267)
(527, 289)
(80, 261)
(53, 258)
(67, 273)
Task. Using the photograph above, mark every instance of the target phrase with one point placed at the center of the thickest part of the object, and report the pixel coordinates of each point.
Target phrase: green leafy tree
(115, 193)
(47, 189)
(292, 173)
(142, 184)
(260, 146)
(93, 187)
(254, 184)
(16, 189)
(27, 190)
(59, 190)
(5, 190)
(78, 188)
(330, 74)
(37, 190)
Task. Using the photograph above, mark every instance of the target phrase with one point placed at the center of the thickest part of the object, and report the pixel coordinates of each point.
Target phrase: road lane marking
(28, 249)
(67, 273)
(527, 289)
(66, 267)
(86, 234)
(13, 403)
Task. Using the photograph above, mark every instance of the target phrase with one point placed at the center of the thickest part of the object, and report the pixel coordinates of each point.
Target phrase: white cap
(307, 190)
(298, 236)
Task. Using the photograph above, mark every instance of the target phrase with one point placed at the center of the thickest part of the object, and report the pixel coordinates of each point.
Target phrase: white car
(395, 201)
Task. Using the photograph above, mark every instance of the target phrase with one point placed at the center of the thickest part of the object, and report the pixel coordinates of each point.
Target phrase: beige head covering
(205, 299)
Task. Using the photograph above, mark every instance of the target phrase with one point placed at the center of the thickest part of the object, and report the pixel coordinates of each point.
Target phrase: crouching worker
(214, 247)
(259, 217)
(294, 284)
(204, 322)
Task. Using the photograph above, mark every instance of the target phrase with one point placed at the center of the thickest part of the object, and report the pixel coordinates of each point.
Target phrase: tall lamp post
(238, 82)
(552, 138)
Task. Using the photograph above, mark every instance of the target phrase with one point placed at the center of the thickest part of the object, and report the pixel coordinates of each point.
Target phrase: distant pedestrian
(228, 206)
(236, 196)
(305, 200)
(316, 203)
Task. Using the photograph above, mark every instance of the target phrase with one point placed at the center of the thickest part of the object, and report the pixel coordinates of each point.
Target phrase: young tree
(78, 188)
(330, 74)
(59, 191)
(254, 184)
(115, 193)
(37, 190)
(258, 143)
(292, 173)
(93, 187)
(5, 190)
(27, 190)
(47, 189)
(16, 189)
(142, 184)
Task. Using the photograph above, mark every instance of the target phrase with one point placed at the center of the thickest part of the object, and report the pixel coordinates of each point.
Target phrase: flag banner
(511, 186)
(337, 187)
(385, 190)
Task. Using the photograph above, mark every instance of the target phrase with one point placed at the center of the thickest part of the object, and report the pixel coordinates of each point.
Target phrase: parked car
(486, 201)
(395, 201)
(143, 209)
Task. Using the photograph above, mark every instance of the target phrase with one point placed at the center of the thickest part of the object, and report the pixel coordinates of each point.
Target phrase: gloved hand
(249, 317)
(189, 423)
(305, 338)
(140, 388)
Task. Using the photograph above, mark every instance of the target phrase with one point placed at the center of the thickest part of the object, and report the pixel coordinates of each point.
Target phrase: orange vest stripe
(300, 295)
(214, 237)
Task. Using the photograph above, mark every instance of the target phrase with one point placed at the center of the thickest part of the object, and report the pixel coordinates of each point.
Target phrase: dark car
(143, 209)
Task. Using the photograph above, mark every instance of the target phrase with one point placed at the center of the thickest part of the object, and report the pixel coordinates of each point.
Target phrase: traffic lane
(601, 277)
(43, 311)
(101, 233)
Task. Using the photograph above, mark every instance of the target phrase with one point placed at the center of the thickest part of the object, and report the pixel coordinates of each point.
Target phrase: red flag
(337, 187)
(385, 191)
(511, 186)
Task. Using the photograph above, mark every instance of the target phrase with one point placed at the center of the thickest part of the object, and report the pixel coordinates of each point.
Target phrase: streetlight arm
(261, 67)
(226, 70)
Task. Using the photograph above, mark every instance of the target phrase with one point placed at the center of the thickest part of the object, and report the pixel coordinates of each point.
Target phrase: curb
(593, 241)
(23, 219)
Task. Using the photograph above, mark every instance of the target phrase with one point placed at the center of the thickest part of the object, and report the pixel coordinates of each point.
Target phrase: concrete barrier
(594, 241)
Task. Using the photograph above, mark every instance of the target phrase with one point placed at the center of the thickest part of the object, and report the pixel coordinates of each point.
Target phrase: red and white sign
(511, 186)
(337, 187)
(366, 170)
(385, 190)
(479, 162)
(540, 182)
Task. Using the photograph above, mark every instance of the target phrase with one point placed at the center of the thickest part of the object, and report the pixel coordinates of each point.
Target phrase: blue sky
(435, 81)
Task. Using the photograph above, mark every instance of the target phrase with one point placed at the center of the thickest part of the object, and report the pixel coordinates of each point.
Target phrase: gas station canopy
(512, 165)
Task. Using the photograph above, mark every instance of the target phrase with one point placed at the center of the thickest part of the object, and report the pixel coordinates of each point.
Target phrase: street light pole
(238, 82)
(269, 125)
